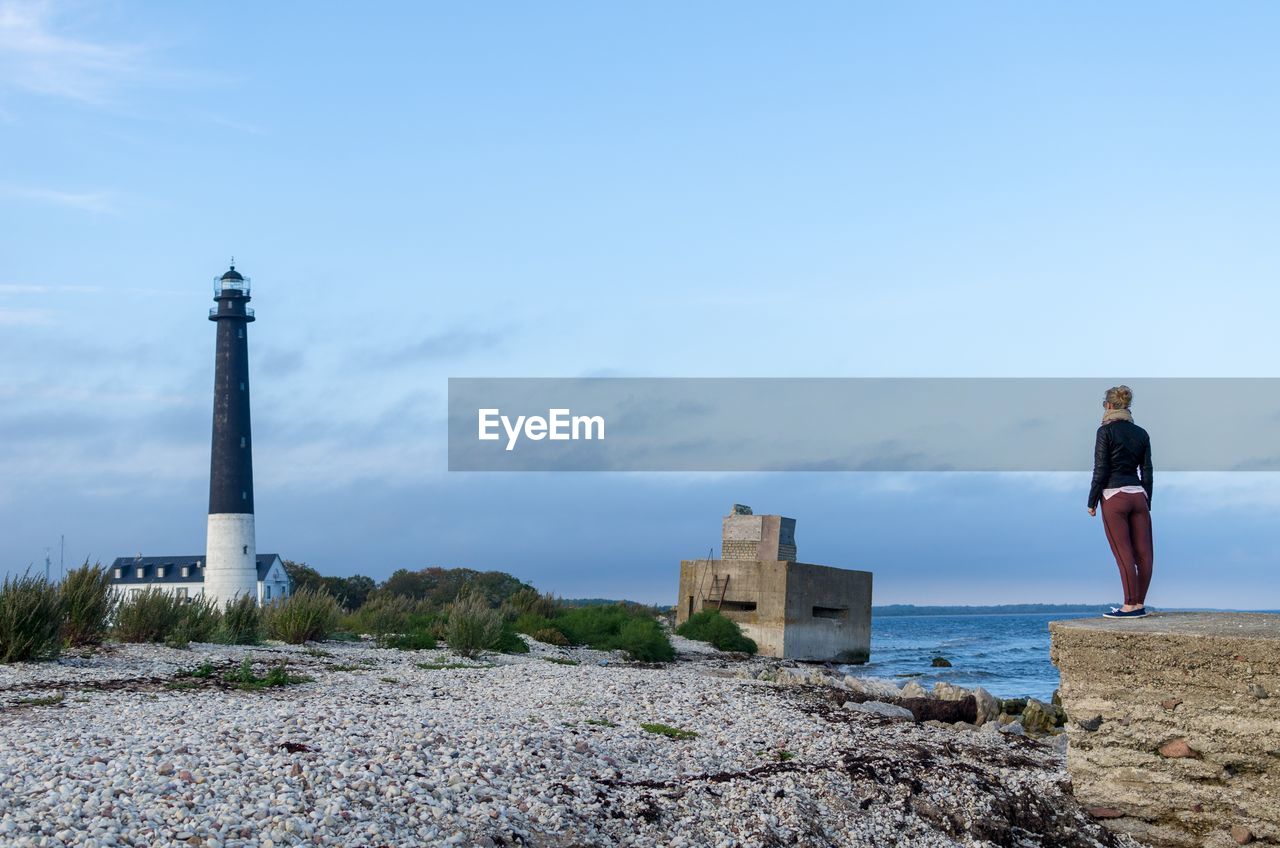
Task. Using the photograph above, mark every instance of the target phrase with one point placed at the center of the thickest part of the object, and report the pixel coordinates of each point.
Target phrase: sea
(1007, 654)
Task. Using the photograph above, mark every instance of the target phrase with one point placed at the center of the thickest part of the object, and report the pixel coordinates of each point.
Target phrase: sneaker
(1138, 613)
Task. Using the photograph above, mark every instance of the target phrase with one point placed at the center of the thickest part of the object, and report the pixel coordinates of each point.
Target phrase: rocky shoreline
(137, 745)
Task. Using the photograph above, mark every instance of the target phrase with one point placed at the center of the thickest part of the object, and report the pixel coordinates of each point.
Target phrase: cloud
(23, 317)
(16, 288)
(229, 123)
(36, 58)
(113, 291)
(84, 201)
(279, 361)
(447, 344)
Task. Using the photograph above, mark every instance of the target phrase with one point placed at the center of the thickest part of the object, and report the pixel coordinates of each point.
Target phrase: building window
(244, 496)
(119, 573)
(186, 571)
(242, 441)
(244, 549)
(181, 595)
(831, 612)
(140, 572)
(737, 606)
(240, 333)
(242, 385)
(159, 571)
(268, 590)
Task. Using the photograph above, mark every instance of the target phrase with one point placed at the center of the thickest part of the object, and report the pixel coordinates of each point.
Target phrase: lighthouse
(230, 549)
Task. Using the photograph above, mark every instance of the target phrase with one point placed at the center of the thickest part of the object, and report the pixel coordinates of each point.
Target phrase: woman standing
(1121, 450)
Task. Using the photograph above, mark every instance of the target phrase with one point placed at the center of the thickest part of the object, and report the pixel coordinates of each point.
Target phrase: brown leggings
(1126, 517)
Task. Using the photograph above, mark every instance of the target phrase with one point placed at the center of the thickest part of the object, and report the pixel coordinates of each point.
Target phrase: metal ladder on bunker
(719, 585)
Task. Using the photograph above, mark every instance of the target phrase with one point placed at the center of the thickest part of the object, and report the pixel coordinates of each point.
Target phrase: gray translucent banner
(818, 424)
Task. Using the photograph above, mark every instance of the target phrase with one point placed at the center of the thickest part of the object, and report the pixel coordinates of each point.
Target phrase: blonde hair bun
(1120, 397)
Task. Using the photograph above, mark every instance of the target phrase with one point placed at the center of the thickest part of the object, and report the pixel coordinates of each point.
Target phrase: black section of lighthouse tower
(231, 462)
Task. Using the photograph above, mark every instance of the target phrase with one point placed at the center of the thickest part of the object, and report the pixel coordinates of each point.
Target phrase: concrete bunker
(793, 610)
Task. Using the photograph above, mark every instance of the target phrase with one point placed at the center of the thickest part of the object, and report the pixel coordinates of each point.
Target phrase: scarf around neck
(1117, 415)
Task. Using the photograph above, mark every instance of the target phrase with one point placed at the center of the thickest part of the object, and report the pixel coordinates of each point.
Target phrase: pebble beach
(122, 746)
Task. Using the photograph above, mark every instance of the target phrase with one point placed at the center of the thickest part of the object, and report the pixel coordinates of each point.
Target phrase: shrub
(305, 616)
(343, 636)
(204, 671)
(278, 675)
(720, 630)
(149, 615)
(396, 621)
(383, 615)
(539, 627)
(87, 603)
(617, 627)
(241, 622)
(594, 625)
(30, 619)
(644, 639)
(199, 620)
(528, 601)
(473, 626)
(550, 636)
(510, 642)
(414, 640)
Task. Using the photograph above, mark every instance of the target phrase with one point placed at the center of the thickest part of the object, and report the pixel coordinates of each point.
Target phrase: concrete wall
(1174, 724)
(758, 537)
(763, 583)
(828, 614)
(785, 593)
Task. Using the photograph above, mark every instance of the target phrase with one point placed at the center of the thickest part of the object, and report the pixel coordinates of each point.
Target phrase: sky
(430, 190)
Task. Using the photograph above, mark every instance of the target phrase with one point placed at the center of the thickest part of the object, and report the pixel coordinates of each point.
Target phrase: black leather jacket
(1121, 450)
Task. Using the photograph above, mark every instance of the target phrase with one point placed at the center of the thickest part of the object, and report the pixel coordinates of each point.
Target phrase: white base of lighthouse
(231, 558)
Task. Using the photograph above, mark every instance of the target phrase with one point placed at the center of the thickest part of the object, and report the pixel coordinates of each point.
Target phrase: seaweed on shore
(940, 786)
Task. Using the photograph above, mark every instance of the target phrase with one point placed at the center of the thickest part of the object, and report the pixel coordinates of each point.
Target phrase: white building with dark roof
(185, 576)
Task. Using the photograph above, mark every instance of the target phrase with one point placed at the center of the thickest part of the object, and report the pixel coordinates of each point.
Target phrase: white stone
(914, 690)
(409, 763)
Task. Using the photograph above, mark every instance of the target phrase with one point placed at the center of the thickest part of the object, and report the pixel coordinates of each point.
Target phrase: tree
(441, 586)
(351, 591)
(303, 576)
(410, 584)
